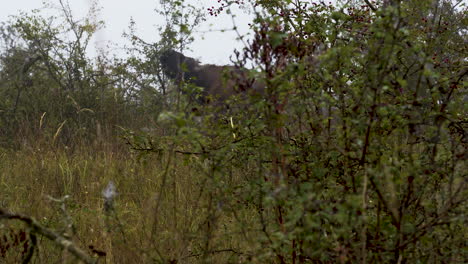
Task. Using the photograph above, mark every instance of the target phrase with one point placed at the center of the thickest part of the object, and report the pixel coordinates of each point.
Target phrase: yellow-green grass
(165, 209)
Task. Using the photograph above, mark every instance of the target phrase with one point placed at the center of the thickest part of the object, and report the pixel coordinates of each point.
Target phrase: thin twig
(370, 5)
(51, 235)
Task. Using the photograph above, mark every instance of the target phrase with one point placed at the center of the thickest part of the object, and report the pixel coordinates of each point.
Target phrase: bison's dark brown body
(218, 82)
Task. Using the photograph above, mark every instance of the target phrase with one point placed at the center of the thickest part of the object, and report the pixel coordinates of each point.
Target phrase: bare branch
(370, 5)
(51, 235)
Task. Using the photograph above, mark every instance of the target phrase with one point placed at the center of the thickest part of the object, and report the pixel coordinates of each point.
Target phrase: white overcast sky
(212, 47)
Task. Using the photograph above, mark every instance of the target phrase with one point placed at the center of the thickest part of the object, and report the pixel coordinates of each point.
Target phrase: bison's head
(175, 63)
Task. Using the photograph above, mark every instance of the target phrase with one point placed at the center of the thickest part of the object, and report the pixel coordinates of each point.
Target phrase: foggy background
(210, 45)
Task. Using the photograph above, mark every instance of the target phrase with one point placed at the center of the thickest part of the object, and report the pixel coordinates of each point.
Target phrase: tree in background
(50, 87)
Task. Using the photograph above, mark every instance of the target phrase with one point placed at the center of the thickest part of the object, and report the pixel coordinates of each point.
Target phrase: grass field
(163, 210)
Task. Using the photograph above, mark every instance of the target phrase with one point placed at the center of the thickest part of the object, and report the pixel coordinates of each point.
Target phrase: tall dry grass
(165, 210)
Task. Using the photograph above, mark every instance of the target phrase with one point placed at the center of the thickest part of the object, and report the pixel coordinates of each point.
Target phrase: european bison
(218, 82)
